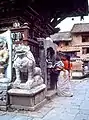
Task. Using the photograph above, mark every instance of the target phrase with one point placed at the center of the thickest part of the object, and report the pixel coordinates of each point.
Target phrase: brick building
(75, 44)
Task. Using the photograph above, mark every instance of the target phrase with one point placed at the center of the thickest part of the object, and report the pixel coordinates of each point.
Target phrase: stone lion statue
(24, 62)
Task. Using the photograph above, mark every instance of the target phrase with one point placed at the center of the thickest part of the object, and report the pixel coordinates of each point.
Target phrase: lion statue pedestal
(27, 95)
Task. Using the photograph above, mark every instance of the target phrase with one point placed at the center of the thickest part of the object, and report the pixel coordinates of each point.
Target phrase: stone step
(50, 94)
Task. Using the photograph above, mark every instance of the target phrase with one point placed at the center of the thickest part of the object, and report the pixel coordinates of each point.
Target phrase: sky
(67, 23)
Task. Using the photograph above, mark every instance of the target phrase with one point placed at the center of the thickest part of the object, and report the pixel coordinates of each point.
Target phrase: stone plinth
(4, 87)
(27, 99)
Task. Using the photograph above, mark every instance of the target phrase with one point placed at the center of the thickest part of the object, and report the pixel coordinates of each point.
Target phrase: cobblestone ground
(59, 108)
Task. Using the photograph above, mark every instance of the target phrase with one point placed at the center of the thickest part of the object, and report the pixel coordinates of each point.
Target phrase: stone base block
(27, 99)
(20, 107)
(4, 101)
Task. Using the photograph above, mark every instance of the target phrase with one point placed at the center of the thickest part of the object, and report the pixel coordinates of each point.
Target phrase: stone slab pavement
(59, 108)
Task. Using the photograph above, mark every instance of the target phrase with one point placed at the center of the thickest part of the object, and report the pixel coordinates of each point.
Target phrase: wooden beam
(55, 21)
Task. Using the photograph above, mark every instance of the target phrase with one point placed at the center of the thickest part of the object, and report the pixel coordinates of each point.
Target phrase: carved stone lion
(24, 62)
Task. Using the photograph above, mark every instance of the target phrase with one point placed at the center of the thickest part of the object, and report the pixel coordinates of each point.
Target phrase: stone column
(6, 79)
(42, 55)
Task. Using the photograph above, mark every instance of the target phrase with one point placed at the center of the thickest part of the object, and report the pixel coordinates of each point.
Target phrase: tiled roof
(61, 36)
(81, 27)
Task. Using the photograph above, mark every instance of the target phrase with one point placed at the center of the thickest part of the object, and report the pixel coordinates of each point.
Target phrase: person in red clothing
(63, 83)
(67, 65)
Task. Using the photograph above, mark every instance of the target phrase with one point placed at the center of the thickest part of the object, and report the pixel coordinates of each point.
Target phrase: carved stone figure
(25, 63)
(4, 55)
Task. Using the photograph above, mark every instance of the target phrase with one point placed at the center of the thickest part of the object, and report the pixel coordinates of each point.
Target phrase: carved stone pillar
(6, 64)
(43, 63)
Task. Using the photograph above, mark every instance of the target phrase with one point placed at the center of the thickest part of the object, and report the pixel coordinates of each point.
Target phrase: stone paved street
(59, 108)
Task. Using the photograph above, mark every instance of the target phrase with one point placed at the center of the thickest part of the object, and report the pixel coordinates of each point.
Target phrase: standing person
(63, 83)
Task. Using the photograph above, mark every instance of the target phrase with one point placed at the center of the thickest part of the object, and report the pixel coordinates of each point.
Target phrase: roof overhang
(44, 10)
(53, 9)
(47, 9)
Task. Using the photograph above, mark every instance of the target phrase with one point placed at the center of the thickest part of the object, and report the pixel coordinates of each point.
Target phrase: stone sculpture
(4, 55)
(29, 94)
(25, 63)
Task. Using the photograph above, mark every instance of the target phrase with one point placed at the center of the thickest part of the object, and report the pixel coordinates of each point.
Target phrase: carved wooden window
(85, 50)
(66, 43)
(85, 38)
